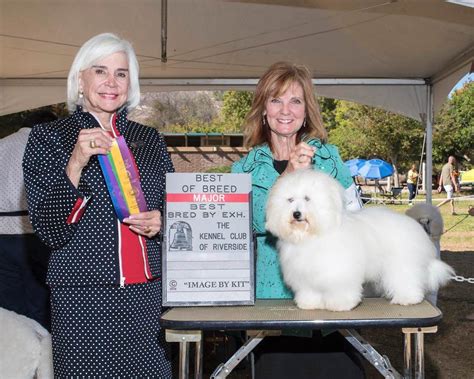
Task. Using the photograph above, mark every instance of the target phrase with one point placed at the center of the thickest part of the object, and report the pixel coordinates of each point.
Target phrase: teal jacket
(259, 163)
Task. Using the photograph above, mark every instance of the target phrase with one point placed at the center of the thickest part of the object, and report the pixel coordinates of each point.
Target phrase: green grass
(459, 229)
(220, 169)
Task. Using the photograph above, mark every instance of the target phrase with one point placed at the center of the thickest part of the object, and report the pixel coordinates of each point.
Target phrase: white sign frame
(208, 245)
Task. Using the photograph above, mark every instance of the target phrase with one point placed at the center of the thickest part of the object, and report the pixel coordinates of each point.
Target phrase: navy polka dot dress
(109, 332)
(99, 328)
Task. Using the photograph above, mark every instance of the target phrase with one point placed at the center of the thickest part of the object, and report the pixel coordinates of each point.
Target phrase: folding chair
(390, 196)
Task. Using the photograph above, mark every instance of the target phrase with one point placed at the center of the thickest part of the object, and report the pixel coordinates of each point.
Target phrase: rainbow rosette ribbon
(122, 179)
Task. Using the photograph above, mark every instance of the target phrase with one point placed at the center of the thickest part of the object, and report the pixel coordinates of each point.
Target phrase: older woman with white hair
(104, 271)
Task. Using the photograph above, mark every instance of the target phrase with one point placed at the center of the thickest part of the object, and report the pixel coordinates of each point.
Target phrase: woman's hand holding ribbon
(89, 142)
(147, 224)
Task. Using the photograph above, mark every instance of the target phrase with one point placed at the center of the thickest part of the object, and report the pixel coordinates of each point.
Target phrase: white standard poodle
(327, 253)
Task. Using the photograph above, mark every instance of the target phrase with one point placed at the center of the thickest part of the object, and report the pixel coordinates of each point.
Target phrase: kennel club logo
(208, 246)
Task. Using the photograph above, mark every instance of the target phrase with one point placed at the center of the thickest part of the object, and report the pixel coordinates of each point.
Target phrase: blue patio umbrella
(375, 169)
(354, 165)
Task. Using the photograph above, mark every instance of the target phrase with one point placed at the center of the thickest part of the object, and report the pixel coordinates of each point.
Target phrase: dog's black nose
(297, 215)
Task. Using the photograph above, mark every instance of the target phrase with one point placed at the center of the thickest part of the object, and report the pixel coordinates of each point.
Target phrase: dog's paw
(341, 303)
(309, 301)
(308, 305)
(407, 299)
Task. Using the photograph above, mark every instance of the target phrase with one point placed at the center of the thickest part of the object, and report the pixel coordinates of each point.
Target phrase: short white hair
(95, 49)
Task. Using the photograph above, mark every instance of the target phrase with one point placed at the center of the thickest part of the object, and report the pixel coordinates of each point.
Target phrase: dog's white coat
(329, 253)
(25, 348)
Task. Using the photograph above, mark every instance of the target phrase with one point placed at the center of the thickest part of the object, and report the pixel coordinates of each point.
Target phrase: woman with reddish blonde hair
(285, 132)
(276, 81)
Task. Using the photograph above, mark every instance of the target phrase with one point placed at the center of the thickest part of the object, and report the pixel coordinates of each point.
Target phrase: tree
(454, 126)
(328, 111)
(180, 111)
(236, 105)
(364, 131)
(346, 134)
(198, 112)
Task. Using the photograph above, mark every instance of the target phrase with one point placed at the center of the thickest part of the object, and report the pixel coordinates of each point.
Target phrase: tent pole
(429, 143)
(164, 30)
(420, 165)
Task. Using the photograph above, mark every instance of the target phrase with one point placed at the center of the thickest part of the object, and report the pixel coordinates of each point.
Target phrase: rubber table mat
(278, 314)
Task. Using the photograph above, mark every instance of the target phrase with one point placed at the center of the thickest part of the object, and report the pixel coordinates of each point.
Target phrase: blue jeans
(411, 190)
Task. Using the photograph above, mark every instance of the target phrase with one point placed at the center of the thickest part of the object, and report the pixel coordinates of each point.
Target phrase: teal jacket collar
(262, 155)
(260, 160)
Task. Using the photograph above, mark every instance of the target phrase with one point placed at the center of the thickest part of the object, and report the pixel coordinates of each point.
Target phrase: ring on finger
(147, 229)
(92, 144)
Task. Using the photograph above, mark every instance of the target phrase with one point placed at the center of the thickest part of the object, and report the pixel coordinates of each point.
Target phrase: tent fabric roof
(430, 41)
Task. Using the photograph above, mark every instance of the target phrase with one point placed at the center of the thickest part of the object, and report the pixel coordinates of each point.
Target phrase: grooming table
(269, 317)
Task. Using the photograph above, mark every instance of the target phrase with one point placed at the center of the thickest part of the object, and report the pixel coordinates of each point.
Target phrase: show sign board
(208, 252)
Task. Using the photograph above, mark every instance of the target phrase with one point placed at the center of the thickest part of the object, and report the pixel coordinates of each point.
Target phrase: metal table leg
(184, 337)
(183, 359)
(198, 360)
(416, 370)
(224, 369)
(407, 367)
(419, 356)
(381, 363)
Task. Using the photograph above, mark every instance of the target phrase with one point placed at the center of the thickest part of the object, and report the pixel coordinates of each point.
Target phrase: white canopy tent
(404, 56)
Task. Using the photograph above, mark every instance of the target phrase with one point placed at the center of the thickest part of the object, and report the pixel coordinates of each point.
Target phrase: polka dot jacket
(86, 251)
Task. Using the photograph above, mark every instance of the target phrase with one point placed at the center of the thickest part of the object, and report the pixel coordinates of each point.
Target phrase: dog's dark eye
(306, 198)
(290, 200)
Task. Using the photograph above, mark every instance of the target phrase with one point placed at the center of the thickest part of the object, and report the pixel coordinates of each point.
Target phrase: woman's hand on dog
(300, 157)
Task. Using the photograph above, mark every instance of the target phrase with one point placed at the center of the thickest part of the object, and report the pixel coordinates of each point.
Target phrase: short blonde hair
(273, 83)
(93, 50)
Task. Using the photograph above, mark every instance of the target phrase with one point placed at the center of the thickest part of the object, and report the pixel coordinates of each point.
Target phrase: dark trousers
(411, 191)
(23, 266)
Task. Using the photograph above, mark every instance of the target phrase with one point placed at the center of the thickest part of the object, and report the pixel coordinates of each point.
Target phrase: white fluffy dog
(327, 253)
(25, 348)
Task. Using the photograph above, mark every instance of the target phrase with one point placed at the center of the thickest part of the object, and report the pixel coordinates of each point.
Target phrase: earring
(304, 123)
(81, 94)
(264, 120)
